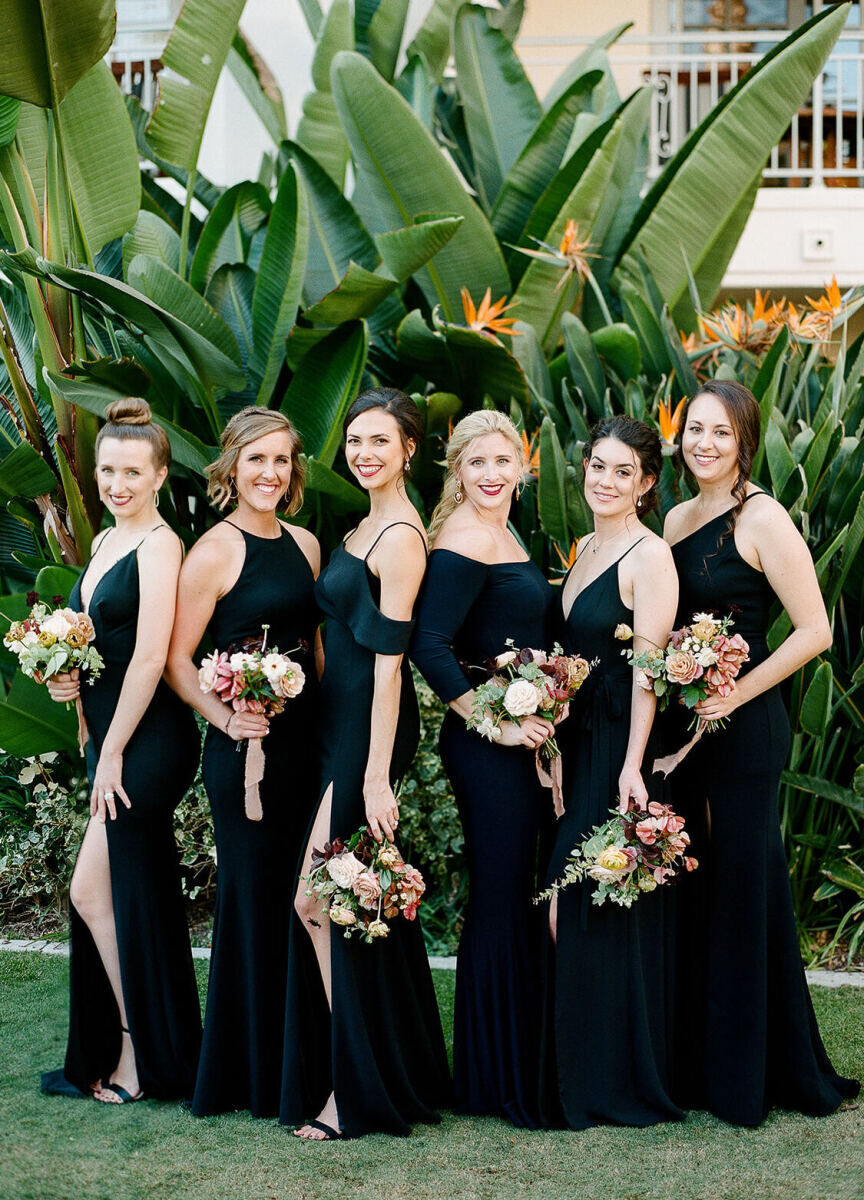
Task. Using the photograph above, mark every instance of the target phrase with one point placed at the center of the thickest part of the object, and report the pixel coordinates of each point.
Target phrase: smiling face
(614, 480)
(708, 441)
(262, 472)
(127, 476)
(374, 448)
(489, 472)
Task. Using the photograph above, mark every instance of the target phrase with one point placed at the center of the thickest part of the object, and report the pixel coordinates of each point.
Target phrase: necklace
(596, 546)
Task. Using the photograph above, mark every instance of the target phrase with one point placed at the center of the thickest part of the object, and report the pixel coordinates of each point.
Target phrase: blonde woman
(480, 590)
(134, 1021)
(251, 570)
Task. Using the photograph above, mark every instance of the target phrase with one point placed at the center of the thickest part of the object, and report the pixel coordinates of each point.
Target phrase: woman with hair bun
(747, 1037)
(480, 590)
(364, 1050)
(606, 1055)
(249, 571)
(134, 1021)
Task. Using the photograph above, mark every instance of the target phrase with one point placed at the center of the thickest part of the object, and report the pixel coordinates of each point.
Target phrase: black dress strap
(758, 492)
(392, 526)
(627, 551)
(147, 534)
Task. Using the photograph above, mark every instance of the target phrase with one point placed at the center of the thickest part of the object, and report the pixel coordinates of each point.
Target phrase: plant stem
(184, 227)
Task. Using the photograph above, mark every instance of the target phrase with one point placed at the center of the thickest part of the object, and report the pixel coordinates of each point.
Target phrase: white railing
(690, 72)
(135, 56)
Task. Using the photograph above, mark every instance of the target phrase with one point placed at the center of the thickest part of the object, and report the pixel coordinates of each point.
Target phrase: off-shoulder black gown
(159, 763)
(467, 611)
(606, 1055)
(381, 1051)
(747, 1037)
(241, 1055)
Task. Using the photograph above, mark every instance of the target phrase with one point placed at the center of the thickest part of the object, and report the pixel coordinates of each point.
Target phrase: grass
(57, 1149)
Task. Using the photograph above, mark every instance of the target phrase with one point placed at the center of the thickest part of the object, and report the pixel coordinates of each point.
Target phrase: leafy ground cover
(72, 1150)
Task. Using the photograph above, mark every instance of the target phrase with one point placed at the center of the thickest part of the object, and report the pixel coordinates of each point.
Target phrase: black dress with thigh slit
(158, 981)
(606, 1045)
(382, 1050)
(241, 1055)
(467, 611)
(747, 1035)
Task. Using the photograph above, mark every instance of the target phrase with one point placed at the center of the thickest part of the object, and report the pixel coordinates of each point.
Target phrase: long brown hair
(742, 409)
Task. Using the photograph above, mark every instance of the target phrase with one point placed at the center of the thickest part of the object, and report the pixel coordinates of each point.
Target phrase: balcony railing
(690, 72)
(135, 57)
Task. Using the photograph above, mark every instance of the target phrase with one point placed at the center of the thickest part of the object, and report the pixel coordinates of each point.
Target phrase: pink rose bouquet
(362, 884)
(252, 679)
(632, 853)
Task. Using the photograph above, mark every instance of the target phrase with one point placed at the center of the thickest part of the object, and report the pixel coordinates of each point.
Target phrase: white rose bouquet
(362, 884)
(252, 679)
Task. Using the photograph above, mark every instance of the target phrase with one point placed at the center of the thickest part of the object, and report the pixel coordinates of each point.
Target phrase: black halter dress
(159, 763)
(747, 1035)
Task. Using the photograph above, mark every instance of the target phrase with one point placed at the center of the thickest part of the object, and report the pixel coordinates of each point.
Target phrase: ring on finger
(109, 795)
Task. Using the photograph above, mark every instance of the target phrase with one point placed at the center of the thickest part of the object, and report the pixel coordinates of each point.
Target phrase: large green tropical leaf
(384, 34)
(344, 495)
(826, 789)
(193, 61)
(31, 723)
(584, 62)
(237, 215)
(501, 109)
(405, 251)
(154, 237)
(319, 130)
(816, 705)
(230, 293)
(541, 295)
(682, 219)
(24, 472)
(324, 385)
(586, 370)
(95, 397)
(432, 40)
(48, 46)
(551, 501)
(258, 85)
(205, 192)
(9, 110)
(408, 176)
(279, 285)
(356, 295)
(154, 279)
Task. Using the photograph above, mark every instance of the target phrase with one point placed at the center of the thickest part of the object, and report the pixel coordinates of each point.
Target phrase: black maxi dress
(158, 980)
(381, 1051)
(747, 1037)
(241, 1055)
(467, 611)
(606, 1042)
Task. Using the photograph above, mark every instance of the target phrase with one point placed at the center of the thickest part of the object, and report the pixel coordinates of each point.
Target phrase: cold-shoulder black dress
(606, 1038)
(159, 763)
(747, 1037)
(466, 613)
(241, 1055)
(381, 1051)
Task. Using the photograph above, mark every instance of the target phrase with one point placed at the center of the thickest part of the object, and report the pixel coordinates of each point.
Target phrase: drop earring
(407, 467)
(156, 498)
(457, 495)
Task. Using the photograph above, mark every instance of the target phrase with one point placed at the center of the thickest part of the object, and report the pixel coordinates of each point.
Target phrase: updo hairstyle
(131, 419)
(643, 440)
(475, 425)
(248, 425)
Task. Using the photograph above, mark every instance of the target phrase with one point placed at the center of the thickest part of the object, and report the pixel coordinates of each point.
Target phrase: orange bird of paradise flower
(668, 421)
(487, 316)
(530, 455)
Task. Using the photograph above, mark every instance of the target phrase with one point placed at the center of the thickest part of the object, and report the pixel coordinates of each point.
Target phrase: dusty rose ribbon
(83, 732)
(551, 778)
(253, 776)
(668, 764)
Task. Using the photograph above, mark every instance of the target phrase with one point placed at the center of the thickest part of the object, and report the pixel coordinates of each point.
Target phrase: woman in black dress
(605, 1046)
(249, 571)
(747, 1037)
(134, 1020)
(480, 590)
(364, 1047)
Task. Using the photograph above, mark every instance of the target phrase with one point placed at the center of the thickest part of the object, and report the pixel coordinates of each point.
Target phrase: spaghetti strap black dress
(605, 1056)
(158, 980)
(467, 611)
(381, 1051)
(241, 1055)
(747, 1037)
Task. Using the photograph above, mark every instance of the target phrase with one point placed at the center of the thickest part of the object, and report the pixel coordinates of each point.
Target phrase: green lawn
(57, 1149)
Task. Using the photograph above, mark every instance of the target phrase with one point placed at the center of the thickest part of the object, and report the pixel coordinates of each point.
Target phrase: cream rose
(340, 915)
(57, 624)
(613, 859)
(682, 667)
(207, 673)
(521, 698)
(344, 869)
(292, 681)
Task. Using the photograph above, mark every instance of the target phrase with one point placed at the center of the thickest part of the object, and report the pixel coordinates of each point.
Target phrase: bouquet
(54, 641)
(700, 659)
(632, 853)
(527, 682)
(362, 884)
(252, 678)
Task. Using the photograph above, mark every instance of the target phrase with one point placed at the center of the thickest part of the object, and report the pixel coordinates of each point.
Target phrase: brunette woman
(251, 571)
(364, 1050)
(482, 589)
(606, 1054)
(134, 1021)
(747, 1036)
